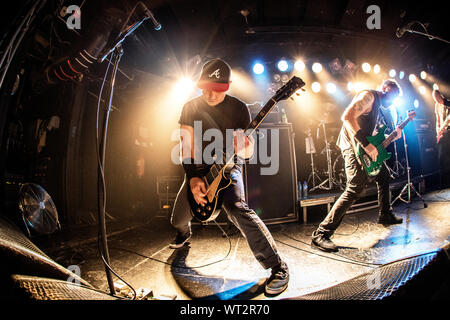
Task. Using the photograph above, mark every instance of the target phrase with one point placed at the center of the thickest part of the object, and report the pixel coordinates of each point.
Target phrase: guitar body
(214, 197)
(373, 168)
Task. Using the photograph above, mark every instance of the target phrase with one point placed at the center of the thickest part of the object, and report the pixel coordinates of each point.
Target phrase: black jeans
(245, 219)
(356, 181)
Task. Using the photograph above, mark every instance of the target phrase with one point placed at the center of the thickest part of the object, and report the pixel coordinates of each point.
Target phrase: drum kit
(329, 173)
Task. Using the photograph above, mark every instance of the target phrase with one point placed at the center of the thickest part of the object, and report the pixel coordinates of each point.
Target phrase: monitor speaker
(428, 153)
(270, 176)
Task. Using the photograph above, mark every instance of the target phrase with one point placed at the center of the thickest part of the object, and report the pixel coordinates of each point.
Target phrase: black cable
(182, 267)
(102, 177)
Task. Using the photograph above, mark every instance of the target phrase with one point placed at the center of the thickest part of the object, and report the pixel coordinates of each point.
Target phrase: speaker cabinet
(428, 151)
(270, 176)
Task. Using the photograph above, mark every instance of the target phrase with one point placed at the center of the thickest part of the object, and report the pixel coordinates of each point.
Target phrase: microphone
(150, 15)
(401, 31)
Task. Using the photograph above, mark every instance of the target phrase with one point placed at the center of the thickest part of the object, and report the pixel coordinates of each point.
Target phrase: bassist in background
(441, 110)
(217, 110)
(359, 121)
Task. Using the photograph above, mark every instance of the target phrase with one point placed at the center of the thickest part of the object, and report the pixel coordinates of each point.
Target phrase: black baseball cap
(215, 76)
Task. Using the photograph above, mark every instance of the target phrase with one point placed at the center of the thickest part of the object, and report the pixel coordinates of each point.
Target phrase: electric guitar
(373, 168)
(217, 179)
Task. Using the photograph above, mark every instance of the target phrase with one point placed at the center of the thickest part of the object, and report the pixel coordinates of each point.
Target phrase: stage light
(376, 69)
(182, 89)
(331, 87)
(317, 67)
(359, 86)
(350, 86)
(282, 65)
(366, 67)
(435, 86)
(416, 103)
(392, 73)
(258, 68)
(315, 87)
(412, 77)
(299, 65)
(422, 90)
(276, 77)
(401, 75)
(423, 75)
(397, 102)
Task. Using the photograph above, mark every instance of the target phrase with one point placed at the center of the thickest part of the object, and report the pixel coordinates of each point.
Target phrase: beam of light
(376, 69)
(401, 75)
(316, 67)
(258, 68)
(282, 65)
(392, 73)
(359, 86)
(299, 65)
(331, 87)
(366, 67)
(412, 77)
(315, 87)
(423, 75)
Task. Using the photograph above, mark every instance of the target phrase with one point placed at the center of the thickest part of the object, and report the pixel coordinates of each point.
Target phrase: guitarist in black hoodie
(359, 121)
(214, 109)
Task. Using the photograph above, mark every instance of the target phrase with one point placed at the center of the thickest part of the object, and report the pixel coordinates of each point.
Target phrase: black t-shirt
(231, 113)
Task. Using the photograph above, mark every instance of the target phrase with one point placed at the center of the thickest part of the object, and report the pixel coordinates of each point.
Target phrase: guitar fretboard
(393, 134)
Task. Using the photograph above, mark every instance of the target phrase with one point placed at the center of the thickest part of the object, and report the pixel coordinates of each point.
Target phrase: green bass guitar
(381, 142)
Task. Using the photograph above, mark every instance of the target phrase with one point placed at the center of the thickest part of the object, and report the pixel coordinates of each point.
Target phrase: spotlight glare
(299, 65)
(282, 65)
(392, 73)
(397, 102)
(359, 86)
(376, 69)
(366, 67)
(350, 86)
(331, 87)
(416, 103)
(317, 67)
(435, 86)
(401, 75)
(315, 86)
(412, 77)
(423, 75)
(422, 90)
(258, 68)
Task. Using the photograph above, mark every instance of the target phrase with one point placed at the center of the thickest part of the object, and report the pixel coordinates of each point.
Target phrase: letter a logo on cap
(216, 73)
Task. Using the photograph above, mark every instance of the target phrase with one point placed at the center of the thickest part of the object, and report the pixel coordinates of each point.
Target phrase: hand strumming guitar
(198, 190)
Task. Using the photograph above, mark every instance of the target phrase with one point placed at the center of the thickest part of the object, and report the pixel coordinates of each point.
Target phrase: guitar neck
(393, 134)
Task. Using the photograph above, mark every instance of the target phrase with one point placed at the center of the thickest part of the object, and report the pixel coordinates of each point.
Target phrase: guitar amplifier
(270, 177)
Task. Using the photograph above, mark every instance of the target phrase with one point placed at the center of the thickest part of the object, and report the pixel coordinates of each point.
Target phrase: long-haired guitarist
(359, 121)
(442, 113)
(215, 109)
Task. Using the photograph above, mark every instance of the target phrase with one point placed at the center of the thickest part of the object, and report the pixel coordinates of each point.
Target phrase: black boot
(389, 218)
(278, 280)
(323, 242)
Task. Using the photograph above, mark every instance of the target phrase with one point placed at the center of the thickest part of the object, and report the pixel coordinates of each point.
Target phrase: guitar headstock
(288, 89)
(411, 114)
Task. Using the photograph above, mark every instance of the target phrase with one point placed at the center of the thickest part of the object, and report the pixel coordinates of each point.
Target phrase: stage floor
(214, 266)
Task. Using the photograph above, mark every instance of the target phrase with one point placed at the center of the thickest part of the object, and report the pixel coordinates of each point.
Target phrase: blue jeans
(245, 219)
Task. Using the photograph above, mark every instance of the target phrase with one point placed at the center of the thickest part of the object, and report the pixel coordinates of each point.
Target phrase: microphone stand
(116, 52)
(429, 36)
